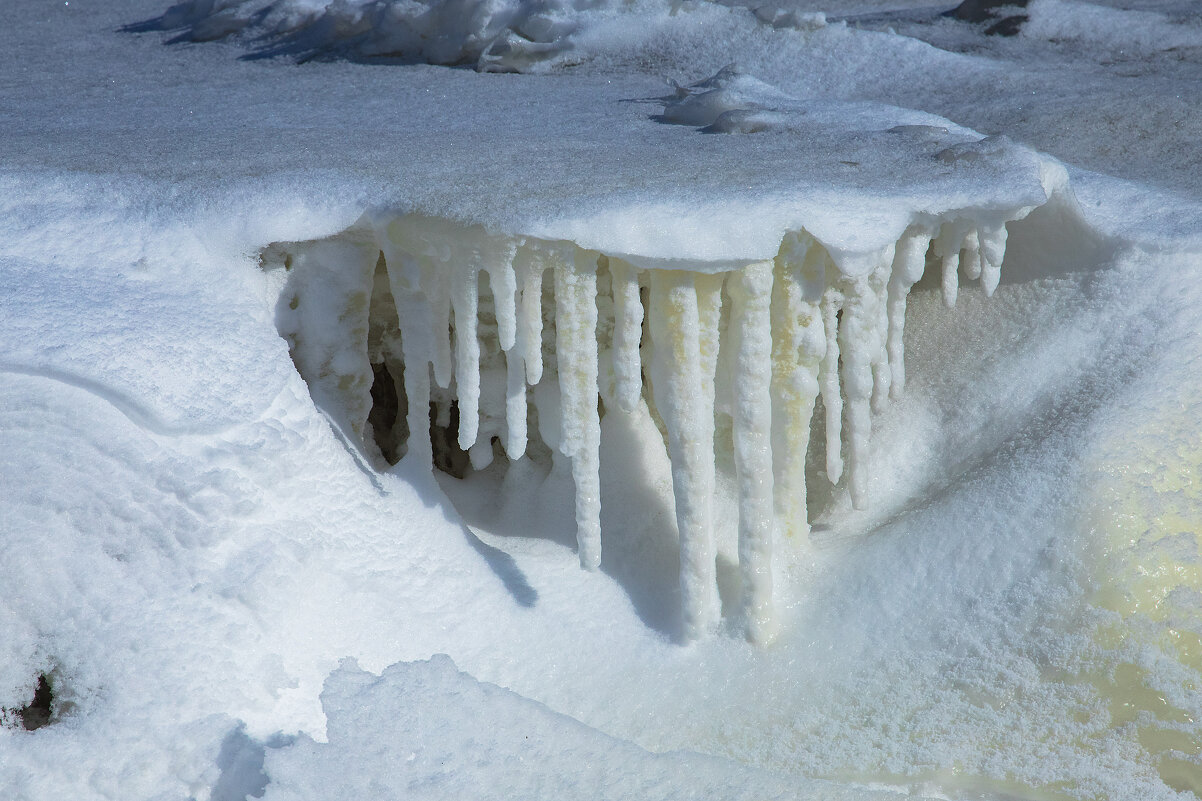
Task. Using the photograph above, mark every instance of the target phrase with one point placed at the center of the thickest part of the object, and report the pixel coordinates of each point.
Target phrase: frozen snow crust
(195, 537)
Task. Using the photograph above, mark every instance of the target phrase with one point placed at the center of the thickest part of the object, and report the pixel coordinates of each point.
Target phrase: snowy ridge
(525, 339)
(491, 35)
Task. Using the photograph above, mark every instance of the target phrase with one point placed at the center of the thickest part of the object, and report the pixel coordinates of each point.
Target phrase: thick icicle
(828, 378)
(751, 292)
(878, 282)
(680, 397)
(909, 260)
(947, 247)
(417, 346)
(628, 331)
(503, 282)
(576, 349)
(709, 315)
(993, 251)
(530, 266)
(798, 345)
(857, 339)
(465, 300)
(970, 257)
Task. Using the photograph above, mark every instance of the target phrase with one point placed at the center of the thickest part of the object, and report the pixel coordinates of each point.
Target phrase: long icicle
(530, 266)
(970, 255)
(882, 377)
(414, 313)
(856, 341)
(465, 300)
(576, 348)
(993, 252)
(709, 316)
(628, 330)
(909, 260)
(798, 345)
(751, 292)
(828, 379)
(947, 247)
(680, 398)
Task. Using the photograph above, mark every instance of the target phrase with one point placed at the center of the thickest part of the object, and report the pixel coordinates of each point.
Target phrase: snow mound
(415, 731)
(492, 35)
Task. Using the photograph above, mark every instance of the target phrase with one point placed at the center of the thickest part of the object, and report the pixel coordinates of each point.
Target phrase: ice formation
(529, 339)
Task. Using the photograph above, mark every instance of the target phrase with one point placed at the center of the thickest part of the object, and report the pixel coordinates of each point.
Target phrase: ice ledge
(514, 346)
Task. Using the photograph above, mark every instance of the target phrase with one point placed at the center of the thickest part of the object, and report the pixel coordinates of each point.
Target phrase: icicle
(503, 282)
(909, 260)
(709, 314)
(751, 291)
(856, 341)
(878, 281)
(680, 398)
(576, 348)
(970, 257)
(947, 247)
(628, 330)
(530, 268)
(515, 405)
(798, 345)
(993, 252)
(828, 378)
(465, 298)
(418, 335)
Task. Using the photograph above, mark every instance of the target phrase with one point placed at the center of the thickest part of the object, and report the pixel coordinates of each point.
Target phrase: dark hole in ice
(37, 713)
(1004, 24)
(444, 440)
(386, 413)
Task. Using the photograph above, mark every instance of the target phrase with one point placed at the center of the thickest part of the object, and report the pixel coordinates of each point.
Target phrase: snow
(717, 358)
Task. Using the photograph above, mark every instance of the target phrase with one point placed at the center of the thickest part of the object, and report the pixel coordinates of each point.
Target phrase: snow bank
(192, 546)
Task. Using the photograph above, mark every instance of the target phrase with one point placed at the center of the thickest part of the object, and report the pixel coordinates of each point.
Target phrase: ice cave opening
(500, 347)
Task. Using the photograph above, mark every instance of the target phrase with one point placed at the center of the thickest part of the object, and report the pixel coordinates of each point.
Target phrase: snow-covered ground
(220, 222)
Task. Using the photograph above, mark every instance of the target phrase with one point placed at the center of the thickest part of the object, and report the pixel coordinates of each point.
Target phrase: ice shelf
(525, 339)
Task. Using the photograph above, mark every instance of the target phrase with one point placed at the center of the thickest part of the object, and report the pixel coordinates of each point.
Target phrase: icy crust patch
(452, 345)
(415, 731)
(501, 35)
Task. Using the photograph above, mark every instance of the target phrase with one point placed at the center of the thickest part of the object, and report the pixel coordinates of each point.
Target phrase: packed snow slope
(197, 542)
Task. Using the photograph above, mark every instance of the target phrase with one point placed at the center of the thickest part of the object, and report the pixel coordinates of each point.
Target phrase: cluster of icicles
(561, 328)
